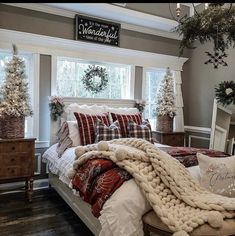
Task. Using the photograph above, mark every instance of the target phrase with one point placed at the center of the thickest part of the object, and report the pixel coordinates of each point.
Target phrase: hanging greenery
(95, 79)
(216, 24)
(225, 93)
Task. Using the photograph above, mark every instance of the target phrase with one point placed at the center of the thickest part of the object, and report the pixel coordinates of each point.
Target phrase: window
(151, 81)
(28, 59)
(70, 71)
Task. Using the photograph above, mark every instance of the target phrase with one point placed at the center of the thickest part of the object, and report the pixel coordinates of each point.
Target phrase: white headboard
(88, 101)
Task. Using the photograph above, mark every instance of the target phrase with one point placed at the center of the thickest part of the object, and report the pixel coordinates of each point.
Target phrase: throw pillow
(74, 133)
(64, 142)
(103, 132)
(217, 174)
(140, 131)
(86, 126)
(123, 121)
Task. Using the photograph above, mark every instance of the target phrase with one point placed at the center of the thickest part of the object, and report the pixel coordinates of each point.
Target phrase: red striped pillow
(123, 121)
(86, 126)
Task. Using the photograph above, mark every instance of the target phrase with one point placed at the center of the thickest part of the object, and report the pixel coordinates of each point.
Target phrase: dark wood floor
(47, 215)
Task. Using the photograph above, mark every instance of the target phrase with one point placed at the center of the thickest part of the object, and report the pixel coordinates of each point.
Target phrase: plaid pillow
(140, 131)
(86, 126)
(103, 132)
(123, 121)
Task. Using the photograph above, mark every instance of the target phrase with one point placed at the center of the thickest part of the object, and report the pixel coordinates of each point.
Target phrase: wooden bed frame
(81, 208)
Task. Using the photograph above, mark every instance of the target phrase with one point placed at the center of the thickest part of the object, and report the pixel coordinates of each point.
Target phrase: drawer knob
(13, 148)
(12, 171)
(12, 159)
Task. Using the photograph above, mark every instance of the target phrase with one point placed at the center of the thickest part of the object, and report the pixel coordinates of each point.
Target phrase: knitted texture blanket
(180, 202)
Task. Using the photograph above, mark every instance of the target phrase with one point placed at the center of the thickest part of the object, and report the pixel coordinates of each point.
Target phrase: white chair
(221, 118)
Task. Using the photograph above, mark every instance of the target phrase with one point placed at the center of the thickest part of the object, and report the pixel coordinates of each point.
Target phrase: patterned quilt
(187, 155)
(96, 180)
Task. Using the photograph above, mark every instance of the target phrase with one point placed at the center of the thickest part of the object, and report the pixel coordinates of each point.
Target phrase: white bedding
(122, 212)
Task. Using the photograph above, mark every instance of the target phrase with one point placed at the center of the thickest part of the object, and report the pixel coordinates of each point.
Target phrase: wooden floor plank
(47, 215)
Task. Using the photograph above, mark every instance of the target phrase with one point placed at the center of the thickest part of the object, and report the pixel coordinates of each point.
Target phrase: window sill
(41, 144)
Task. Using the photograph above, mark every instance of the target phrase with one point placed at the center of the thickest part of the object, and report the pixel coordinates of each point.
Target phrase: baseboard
(19, 186)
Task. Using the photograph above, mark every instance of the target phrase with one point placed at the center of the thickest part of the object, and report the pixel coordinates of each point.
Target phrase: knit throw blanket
(180, 202)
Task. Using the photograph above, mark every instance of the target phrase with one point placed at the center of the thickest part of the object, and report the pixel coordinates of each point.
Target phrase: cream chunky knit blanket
(180, 202)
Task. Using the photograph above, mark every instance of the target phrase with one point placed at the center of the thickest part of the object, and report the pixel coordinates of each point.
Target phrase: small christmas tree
(165, 99)
(14, 92)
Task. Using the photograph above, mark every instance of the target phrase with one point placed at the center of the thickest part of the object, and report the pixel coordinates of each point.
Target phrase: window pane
(152, 81)
(70, 72)
(6, 56)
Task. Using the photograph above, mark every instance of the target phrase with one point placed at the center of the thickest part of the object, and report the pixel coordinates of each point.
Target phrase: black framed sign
(96, 30)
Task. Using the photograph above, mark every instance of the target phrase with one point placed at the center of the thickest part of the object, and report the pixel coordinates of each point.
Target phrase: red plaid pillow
(86, 126)
(123, 121)
(140, 131)
(103, 132)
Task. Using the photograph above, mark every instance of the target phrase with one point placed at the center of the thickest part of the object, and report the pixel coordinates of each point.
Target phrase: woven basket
(164, 123)
(12, 127)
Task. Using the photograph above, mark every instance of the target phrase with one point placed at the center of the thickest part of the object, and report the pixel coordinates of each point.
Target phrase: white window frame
(147, 69)
(54, 74)
(33, 72)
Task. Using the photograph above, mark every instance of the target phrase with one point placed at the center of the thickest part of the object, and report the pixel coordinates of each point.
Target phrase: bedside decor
(95, 79)
(14, 95)
(225, 93)
(165, 102)
(56, 105)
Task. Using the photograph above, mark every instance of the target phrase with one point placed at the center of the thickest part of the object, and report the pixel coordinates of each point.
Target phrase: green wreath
(88, 79)
(225, 93)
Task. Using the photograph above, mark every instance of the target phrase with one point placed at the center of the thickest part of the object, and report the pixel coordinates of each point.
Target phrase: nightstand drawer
(14, 171)
(14, 147)
(15, 159)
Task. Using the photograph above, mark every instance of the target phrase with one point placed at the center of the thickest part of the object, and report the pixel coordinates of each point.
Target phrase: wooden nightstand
(17, 161)
(171, 138)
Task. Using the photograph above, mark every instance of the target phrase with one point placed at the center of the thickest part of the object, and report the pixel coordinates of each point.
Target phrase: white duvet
(122, 212)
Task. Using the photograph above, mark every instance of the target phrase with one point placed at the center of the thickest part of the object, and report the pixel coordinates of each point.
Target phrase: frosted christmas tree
(14, 92)
(165, 100)
(14, 99)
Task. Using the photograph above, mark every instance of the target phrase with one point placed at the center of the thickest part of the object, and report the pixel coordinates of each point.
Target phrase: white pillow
(91, 110)
(123, 110)
(74, 133)
(217, 174)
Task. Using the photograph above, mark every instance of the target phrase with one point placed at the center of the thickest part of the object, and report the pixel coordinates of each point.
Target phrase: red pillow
(86, 126)
(123, 121)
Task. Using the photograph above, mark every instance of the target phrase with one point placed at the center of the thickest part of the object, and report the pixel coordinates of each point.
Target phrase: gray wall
(199, 82)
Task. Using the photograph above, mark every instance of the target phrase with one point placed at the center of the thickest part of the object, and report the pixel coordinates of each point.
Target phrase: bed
(122, 212)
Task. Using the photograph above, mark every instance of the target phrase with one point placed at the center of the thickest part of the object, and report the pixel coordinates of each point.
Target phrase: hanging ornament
(216, 59)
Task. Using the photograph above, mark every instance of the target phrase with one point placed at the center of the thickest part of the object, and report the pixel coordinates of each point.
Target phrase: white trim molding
(41, 144)
(197, 129)
(190, 137)
(37, 170)
(128, 18)
(88, 51)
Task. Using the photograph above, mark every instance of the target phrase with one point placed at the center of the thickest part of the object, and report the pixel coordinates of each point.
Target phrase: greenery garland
(225, 93)
(90, 74)
(213, 24)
